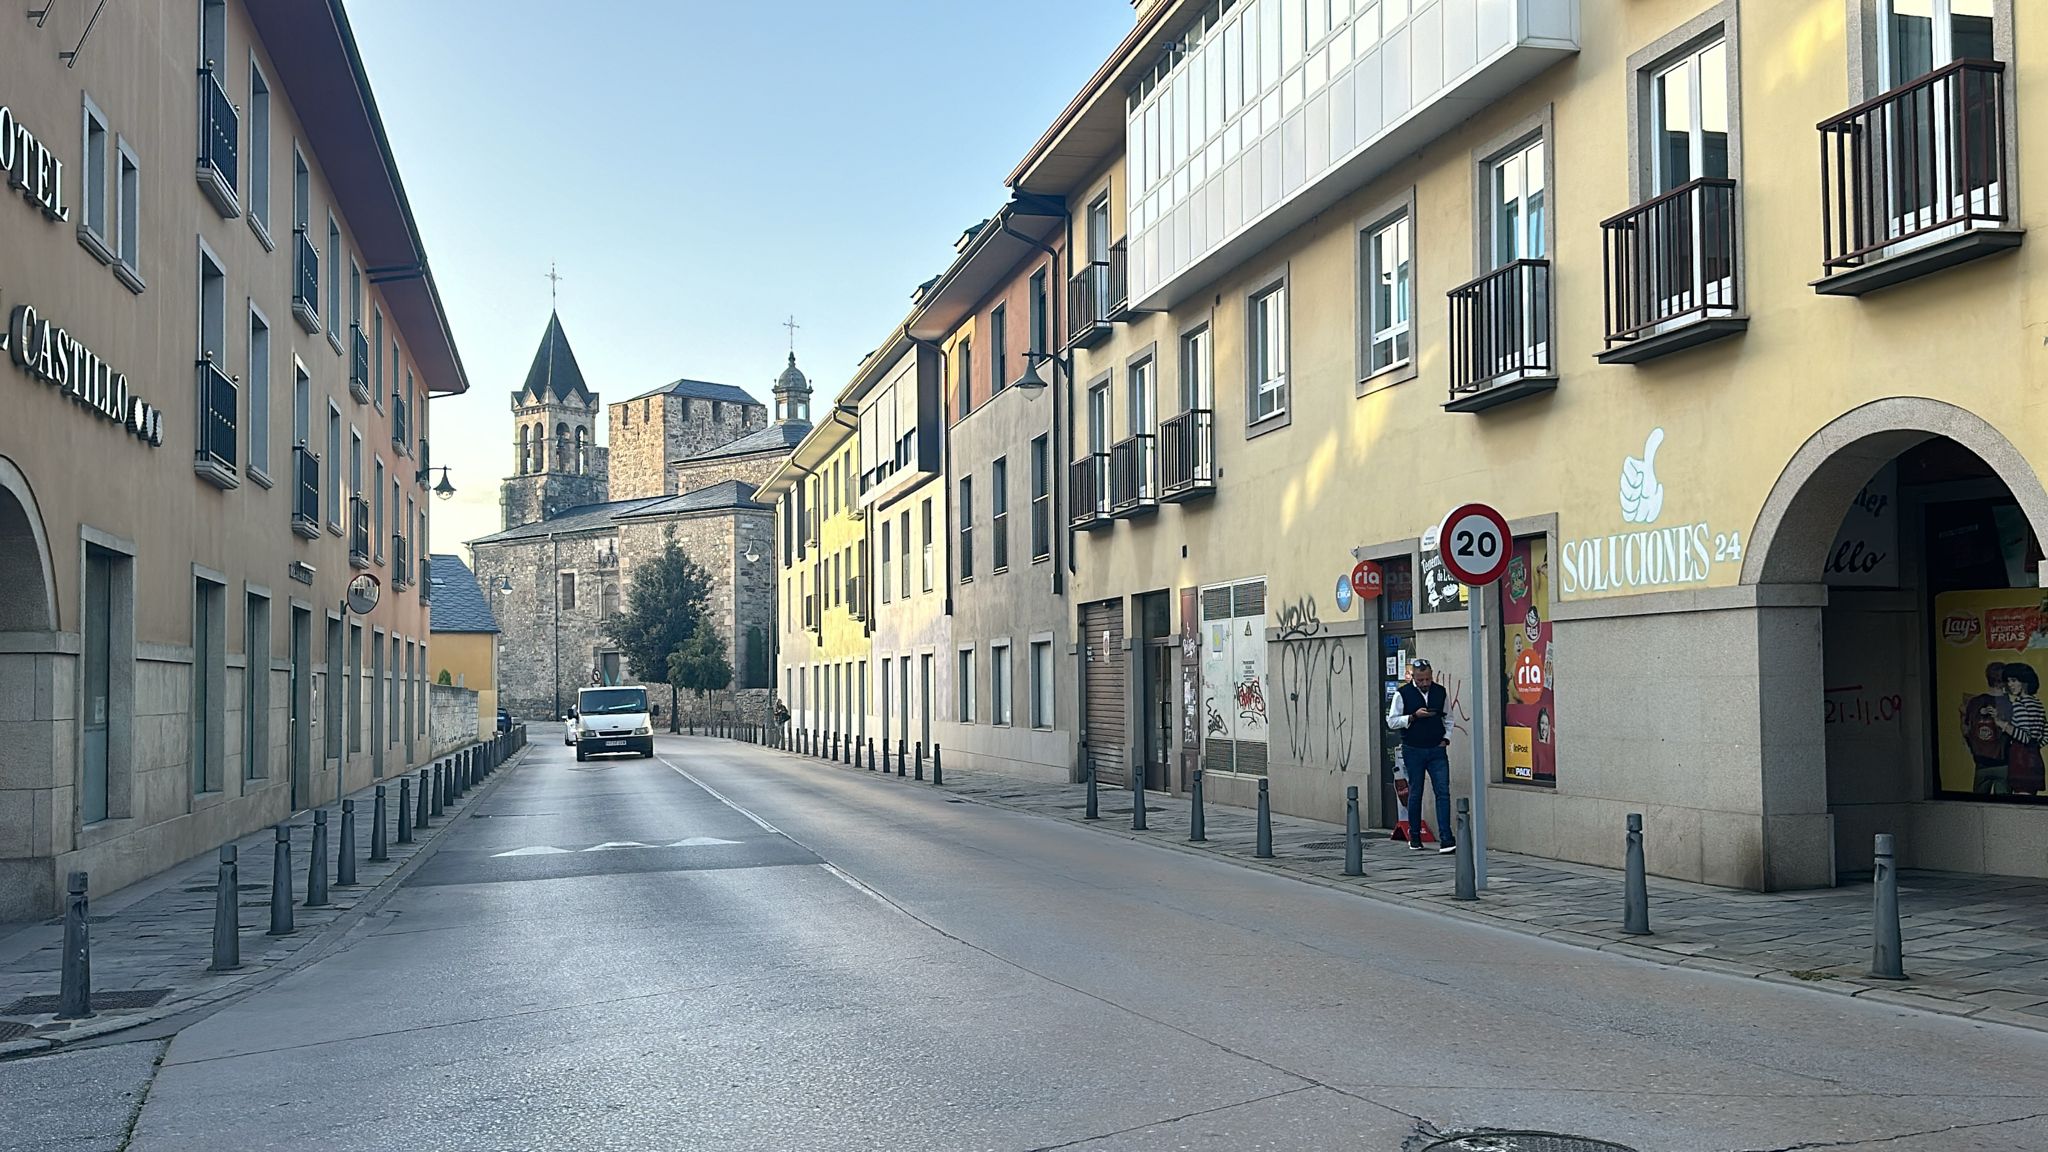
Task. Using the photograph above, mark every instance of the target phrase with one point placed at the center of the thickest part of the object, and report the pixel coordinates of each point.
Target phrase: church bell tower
(556, 461)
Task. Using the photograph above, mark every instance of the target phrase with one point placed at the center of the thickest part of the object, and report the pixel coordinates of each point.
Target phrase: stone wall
(690, 475)
(649, 433)
(452, 719)
(527, 499)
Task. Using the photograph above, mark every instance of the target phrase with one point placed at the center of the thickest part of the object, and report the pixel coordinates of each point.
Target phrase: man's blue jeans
(1436, 764)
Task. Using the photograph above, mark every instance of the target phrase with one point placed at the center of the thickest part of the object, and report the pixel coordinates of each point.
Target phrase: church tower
(792, 395)
(556, 461)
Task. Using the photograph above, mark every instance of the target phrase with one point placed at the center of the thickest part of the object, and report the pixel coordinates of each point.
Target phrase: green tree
(444, 678)
(663, 609)
(699, 666)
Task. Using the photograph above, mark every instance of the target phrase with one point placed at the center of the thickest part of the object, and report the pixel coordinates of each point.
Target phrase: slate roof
(555, 373)
(726, 495)
(703, 390)
(459, 604)
(582, 518)
(781, 437)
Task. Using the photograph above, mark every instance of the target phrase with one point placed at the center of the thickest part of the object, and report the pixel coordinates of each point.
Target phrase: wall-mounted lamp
(442, 488)
(1031, 381)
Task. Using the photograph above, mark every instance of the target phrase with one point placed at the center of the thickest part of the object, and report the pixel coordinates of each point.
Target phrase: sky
(698, 172)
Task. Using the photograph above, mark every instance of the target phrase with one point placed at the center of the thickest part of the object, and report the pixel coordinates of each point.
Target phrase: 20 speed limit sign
(1474, 542)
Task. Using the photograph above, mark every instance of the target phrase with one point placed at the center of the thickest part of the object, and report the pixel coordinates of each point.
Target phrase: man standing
(1417, 712)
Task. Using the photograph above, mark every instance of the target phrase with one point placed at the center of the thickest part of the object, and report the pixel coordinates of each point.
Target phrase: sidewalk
(1975, 946)
(152, 941)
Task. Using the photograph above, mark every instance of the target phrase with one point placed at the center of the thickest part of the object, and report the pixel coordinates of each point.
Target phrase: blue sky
(699, 171)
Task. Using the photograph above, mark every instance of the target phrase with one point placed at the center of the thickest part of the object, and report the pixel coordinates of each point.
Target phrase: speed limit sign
(1474, 544)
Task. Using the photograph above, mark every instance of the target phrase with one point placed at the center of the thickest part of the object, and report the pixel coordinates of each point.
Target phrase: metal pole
(1263, 847)
(1887, 950)
(281, 883)
(1635, 915)
(920, 761)
(938, 772)
(1354, 850)
(1088, 769)
(316, 862)
(1137, 794)
(74, 999)
(227, 913)
(422, 819)
(902, 754)
(345, 864)
(1475, 848)
(1467, 880)
(405, 810)
(379, 847)
(1198, 827)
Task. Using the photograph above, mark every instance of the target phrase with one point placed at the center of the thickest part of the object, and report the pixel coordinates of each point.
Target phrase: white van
(611, 720)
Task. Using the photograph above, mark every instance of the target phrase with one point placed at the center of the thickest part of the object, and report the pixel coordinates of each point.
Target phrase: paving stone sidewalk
(1975, 946)
(154, 939)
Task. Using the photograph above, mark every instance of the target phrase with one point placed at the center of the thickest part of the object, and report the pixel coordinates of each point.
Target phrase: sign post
(1474, 544)
(364, 591)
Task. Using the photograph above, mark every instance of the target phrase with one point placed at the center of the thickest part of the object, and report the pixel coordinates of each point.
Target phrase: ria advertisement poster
(1990, 649)
(1528, 704)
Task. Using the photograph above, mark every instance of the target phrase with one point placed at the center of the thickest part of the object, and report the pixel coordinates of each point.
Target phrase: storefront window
(1990, 652)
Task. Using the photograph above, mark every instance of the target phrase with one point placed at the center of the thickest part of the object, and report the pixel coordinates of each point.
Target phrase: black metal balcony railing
(358, 357)
(1088, 305)
(1088, 490)
(426, 579)
(359, 532)
(305, 492)
(220, 130)
(1926, 156)
(1671, 261)
(306, 283)
(1117, 304)
(1500, 328)
(1187, 455)
(1133, 486)
(219, 400)
(401, 421)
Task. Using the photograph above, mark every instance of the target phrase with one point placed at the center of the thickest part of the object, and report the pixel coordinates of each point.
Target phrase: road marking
(827, 865)
(537, 850)
(720, 797)
(700, 842)
(615, 845)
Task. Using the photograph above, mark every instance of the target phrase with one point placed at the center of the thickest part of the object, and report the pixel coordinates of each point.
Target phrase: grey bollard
(421, 818)
(902, 754)
(1467, 881)
(919, 775)
(1093, 811)
(404, 810)
(1354, 850)
(1887, 950)
(1635, 913)
(379, 847)
(227, 913)
(1263, 846)
(440, 803)
(1137, 796)
(871, 753)
(74, 997)
(316, 862)
(345, 864)
(938, 773)
(1198, 822)
(281, 883)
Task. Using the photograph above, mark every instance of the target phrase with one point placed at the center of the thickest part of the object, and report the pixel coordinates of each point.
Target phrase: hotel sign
(32, 169)
(54, 356)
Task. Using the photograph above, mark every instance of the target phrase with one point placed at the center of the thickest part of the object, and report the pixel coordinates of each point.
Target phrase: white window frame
(1266, 354)
(1389, 324)
(98, 199)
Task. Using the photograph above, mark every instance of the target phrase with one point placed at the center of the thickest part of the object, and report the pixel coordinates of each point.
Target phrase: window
(1041, 683)
(259, 151)
(1266, 353)
(219, 408)
(93, 225)
(302, 407)
(377, 521)
(966, 528)
(1041, 498)
(998, 349)
(1194, 370)
(355, 464)
(999, 684)
(1138, 397)
(568, 601)
(355, 688)
(334, 283)
(256, 689)
(1041, 313)
(903, 535)
(333, 462)
(1519, 208)
(963, 376)
(209, 684)
(258, 378)
(966, 683)
(1388, 293)
(1689, 119)
(927, 544)
(302, 193)
(355, 298)
(999, 515)
(608, 602)
(887, 557)
(377, 394)
(1920, 36)
(128, 218)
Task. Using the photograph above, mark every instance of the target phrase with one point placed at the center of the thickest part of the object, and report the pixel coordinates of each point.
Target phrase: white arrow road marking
(539, 850)
(700, 842)
(614, 845)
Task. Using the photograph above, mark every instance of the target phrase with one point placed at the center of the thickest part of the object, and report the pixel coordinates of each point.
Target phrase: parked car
(569, 729)
(504, 720)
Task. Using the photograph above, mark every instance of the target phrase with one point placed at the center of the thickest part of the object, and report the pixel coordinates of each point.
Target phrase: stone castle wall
(650, 433)
(690, 475)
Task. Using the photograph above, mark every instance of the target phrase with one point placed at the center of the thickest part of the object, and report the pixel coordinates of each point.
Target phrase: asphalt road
(726, 948)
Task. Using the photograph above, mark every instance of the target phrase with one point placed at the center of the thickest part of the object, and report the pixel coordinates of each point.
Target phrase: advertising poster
(1990, 649)
(1528, 707)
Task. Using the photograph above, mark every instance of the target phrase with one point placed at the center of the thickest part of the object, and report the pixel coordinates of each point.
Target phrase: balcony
(218, 403)
(1500, 337)
(1133, 484)
(1917, 180)
(220, 128)
(1088, 488)
(1672, 279)
(1088, 322)
(358, 532)
(401, 422)
(426, 580)
(1187, 456)
(401, 560)
(306, 283)
(305, 493)
(1119, 277)
(358, 355)
(853, 602)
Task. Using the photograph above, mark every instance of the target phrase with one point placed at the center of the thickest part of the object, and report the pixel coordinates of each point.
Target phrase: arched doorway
(28, 611)
(28, 601)
(1905, 536)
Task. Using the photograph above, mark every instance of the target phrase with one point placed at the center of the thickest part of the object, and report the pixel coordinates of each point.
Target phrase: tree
(663, 609)
(444, 678)
(700, 666)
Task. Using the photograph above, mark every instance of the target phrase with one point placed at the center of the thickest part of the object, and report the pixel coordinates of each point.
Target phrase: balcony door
(1098, 441)
(1521, 231)
(1689, 116)
(1098, 253)
(1932, 179)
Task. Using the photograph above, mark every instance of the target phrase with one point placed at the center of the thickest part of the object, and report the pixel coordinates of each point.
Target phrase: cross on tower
(553, 282)
(792, 325)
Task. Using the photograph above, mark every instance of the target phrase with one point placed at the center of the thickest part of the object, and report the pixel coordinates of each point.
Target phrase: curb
(1898, 996)
(237, 985)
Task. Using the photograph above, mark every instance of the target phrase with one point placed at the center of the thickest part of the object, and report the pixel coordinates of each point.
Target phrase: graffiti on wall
(1321, 691)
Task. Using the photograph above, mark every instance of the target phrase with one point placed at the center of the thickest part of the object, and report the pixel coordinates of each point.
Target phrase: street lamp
(443, 489)
(1031, 381)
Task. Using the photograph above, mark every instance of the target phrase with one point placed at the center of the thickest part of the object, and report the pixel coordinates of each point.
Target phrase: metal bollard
(871, 753)
(1887, 950)
(227, 913)
(404, 810)
(1198, 823)
(938, 773)
(345, 864)
(919, 775)
(1093, 811)
(1354, 850)
(1263, 846)
(281, 883)
(379, 851)
(1137, 796)
(421, 819)
(74, 998)
(902, 754)
(1635, 913)
(316, 862)
(1467, 880)
(440, 803)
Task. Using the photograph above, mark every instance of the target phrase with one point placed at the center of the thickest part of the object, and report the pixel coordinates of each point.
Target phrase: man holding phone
(1417, 712)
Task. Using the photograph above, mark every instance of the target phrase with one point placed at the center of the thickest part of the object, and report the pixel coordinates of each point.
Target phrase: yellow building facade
(822, 552)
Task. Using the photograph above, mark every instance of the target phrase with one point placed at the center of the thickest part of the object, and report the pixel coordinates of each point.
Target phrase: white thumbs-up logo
(1642, 497)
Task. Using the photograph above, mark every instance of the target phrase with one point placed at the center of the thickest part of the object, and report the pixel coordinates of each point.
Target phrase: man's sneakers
(1447, 849)
(1415, 845)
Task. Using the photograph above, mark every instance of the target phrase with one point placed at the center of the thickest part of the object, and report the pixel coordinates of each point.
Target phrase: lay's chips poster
(1990, 656)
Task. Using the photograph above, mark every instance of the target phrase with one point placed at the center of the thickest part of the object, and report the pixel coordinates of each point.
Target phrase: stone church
(580, 519)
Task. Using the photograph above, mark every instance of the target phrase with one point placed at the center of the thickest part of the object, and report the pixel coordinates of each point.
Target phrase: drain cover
(11, 1030)
(1328, 845)
(101, 1002)
(1495, 1141)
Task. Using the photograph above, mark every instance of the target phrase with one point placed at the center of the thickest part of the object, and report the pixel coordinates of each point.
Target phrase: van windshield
(612, 701)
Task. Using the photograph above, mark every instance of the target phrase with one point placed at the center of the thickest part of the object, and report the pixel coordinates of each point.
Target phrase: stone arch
(28, 582)
(1797, 524)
